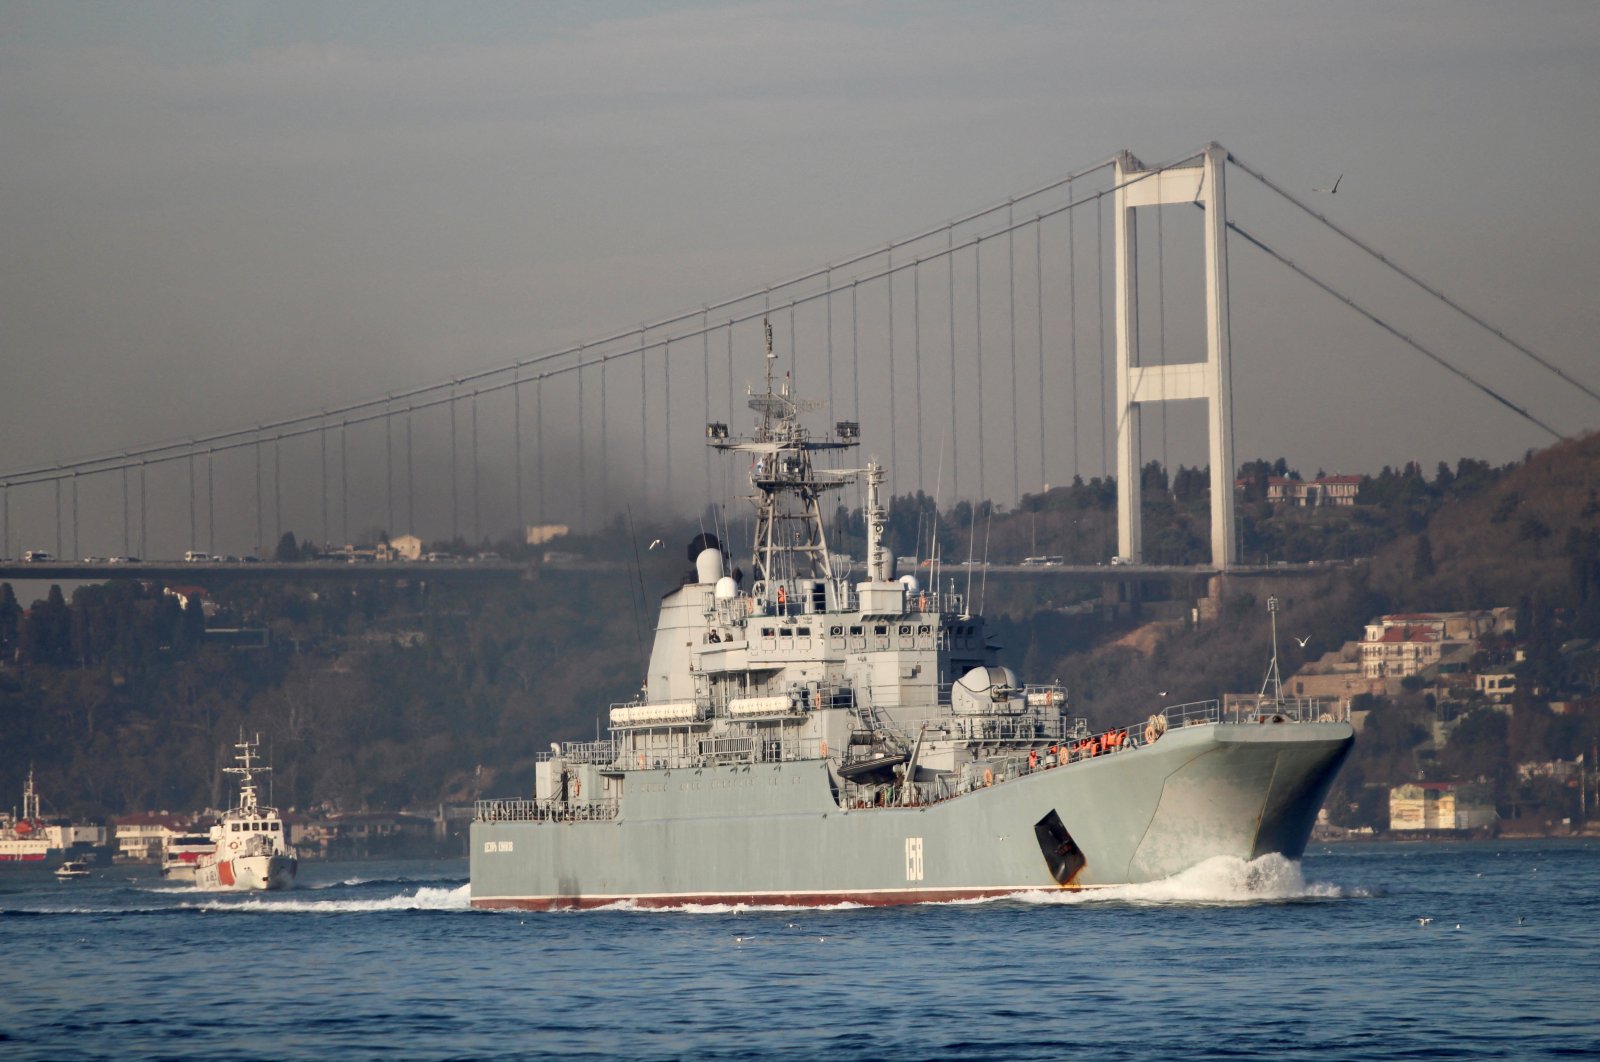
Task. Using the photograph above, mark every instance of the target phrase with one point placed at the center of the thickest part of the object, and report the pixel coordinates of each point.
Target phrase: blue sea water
(1330, 959)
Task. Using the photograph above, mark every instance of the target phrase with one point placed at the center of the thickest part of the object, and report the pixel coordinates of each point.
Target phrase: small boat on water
(250, 850)
(72, 870)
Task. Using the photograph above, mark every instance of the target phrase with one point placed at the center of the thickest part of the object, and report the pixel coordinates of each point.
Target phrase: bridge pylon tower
(1200, 180)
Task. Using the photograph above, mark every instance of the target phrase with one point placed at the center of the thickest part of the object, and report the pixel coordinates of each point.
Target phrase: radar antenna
(790, 543)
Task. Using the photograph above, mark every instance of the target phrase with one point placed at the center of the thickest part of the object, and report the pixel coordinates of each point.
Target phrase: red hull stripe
(886, 898)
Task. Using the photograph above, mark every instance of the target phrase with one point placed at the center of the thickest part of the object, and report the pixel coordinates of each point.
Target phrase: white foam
(1219, 880)
(457, 898)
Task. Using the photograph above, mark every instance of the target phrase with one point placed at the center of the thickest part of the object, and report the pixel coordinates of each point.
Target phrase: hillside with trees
(414, 691)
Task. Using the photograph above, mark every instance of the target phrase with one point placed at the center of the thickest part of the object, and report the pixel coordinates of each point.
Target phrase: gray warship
(815, 740)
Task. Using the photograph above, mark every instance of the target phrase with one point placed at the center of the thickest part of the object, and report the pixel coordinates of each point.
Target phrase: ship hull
(251, 873)
(773, 833)
(25, 851)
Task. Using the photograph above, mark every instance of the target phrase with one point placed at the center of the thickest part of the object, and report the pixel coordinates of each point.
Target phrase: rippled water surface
(1330, 958)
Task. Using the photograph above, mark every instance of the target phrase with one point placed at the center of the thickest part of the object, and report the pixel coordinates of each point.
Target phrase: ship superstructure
(250, 848)
(809, 739)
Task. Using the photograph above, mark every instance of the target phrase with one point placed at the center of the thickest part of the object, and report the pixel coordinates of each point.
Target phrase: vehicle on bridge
(38, 556)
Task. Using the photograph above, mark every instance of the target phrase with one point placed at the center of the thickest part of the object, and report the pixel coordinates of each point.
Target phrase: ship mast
(790, 543)
(1274, 679)
(247, 770)
(30, 801)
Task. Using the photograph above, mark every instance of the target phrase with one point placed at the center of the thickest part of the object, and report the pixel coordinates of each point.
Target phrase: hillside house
(1418, 806)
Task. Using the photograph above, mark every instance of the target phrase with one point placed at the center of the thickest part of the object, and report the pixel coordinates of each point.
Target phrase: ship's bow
(1242, 790)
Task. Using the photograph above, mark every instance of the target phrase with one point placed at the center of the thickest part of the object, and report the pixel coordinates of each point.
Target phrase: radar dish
(770, 405)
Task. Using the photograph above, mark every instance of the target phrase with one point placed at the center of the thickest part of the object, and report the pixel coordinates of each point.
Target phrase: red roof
(1412, 617)
(1407, 634)
(1340, 479)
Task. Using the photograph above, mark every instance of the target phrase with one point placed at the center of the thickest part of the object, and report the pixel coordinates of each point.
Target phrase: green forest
(412, 692)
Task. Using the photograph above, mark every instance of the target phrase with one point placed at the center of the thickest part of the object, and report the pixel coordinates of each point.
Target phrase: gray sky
(217, 213)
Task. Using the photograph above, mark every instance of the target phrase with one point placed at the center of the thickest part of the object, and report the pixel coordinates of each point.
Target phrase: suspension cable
(294, 426)
(1348, 301)
(1418, 281)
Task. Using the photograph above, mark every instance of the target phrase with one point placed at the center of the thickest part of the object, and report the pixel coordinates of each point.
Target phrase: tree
(47, 633)
(288, 549)
(10, 621)
(1422, 567)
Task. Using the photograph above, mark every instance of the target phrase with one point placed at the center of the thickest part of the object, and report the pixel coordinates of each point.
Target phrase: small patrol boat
(809, 739)
(250, 849)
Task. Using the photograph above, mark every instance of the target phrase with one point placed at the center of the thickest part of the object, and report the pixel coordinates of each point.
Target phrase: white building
(404, 547)
(143, 835)
(1439, 806)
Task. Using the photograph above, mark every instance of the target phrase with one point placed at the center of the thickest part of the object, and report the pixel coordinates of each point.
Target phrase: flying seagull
(655, 545)
(1302, 641)
(1335, 189)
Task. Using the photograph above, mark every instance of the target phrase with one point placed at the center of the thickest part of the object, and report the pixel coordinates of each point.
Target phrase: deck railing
(543, 811)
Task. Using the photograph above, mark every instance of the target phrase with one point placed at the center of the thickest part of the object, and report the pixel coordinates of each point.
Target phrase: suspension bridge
(1036, 340)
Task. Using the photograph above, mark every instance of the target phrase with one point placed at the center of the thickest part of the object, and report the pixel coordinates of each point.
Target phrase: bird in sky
(1302, 641)
(1335, 189)
(655, 545)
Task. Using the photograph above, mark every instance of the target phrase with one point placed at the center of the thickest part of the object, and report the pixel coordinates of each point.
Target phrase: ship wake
(1220, 880)
(424, 898)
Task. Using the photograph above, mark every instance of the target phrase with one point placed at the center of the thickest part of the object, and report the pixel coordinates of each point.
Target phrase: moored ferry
(26, 836)
(181, 853)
